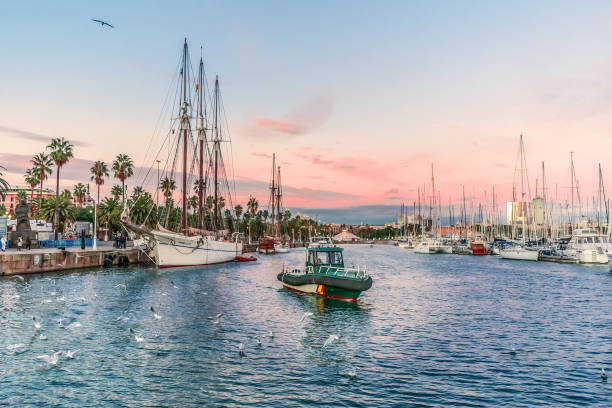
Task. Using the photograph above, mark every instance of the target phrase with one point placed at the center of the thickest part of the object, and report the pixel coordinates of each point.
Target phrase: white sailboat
(433, 245)
(522, 252)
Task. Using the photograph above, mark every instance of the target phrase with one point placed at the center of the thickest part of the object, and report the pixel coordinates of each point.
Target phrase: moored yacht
(587, 246)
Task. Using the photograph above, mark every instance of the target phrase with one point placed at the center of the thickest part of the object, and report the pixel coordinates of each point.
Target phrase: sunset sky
(357, 99)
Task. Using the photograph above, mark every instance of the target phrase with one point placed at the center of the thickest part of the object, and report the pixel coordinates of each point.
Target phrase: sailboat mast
(216, 148)
(273, 191)
(201, 143)
(184, 125)
(572, 189)
(278, 204)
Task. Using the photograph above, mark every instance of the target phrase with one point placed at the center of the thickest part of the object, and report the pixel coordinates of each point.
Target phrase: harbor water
(434, 330)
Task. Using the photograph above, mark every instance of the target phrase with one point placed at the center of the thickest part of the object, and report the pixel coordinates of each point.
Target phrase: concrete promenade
(13, 262)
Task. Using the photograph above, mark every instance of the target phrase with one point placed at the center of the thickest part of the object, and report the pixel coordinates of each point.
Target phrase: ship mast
(278, 204)
(201, 137)
(216, 150)
(273, 191)
(184, 127)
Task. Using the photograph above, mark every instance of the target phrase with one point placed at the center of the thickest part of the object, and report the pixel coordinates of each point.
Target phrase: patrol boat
(325, 275)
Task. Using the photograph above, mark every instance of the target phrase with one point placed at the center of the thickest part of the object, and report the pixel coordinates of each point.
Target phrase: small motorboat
(281, 248)
(324, 274)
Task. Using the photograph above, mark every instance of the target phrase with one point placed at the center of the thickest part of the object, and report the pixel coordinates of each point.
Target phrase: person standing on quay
(28, 243)
(19, 243)
(3, 242)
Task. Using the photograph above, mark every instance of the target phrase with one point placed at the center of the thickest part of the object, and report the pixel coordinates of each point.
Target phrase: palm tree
(21, 195)
(137, 191)
(98, 172)
(238, 213)
(123, 169)
(252, 206)
(110, 212)
(32, 180)
(167, 186)
(42, 168)
(192, 202)
(79, 193)
(116, 191)
(61, 152)
(67, 194)
(197, 185)
(53, 206)
(209, 203)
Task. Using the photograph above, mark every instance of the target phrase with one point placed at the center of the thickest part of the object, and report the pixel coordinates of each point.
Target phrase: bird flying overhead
(103, 23)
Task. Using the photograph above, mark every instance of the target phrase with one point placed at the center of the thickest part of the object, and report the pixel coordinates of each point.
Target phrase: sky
(357, 99)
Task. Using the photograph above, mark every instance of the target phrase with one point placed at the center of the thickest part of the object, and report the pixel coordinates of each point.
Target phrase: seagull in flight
(155, 315)
(305, 315)
(138, 338)
(51, 359)
(103, 23)
(330, 339)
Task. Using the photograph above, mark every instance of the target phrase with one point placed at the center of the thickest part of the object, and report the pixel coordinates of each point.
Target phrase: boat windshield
(326, 258)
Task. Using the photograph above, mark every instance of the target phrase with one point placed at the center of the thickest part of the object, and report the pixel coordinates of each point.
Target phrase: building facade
(10, 199)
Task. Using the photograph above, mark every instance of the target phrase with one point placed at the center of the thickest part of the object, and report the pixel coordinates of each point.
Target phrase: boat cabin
(324, 256)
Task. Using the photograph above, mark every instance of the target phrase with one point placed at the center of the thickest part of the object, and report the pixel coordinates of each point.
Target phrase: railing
(65, 243)
(359, 272)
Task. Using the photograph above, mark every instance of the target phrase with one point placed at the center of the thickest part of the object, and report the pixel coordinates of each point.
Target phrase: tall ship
(201, 238)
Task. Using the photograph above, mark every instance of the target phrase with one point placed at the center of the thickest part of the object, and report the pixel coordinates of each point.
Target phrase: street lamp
(95, 234)
(250, 221)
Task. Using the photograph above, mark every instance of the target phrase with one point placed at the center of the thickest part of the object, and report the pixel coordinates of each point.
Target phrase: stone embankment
(48, 260)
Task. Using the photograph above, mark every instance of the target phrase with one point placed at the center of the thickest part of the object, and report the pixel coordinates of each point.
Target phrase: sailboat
(433, 245)
(194, 246)
(522, 251)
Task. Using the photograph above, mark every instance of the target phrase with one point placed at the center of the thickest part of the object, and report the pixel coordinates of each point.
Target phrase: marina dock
(52, 259)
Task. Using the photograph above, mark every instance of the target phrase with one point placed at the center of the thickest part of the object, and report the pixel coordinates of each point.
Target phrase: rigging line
(146, 177)
(230, 147)
(157, 123)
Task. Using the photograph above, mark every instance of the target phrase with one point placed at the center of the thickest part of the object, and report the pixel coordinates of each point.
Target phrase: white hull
(180, 250)
(520, 254)
(281, 249)
(588, 256)
(433, 248)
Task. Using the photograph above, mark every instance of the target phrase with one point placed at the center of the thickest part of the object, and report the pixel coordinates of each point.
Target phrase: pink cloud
(281, 126)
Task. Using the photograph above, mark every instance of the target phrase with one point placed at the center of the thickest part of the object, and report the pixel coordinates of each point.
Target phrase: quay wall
(24, 262)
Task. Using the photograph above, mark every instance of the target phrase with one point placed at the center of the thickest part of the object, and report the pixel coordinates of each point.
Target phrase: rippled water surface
(433, 330)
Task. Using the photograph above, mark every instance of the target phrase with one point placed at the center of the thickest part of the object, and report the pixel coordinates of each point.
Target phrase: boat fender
(108, 261)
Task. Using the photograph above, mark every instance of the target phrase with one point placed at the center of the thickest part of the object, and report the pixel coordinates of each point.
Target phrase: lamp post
(95, 237)
(250, 221)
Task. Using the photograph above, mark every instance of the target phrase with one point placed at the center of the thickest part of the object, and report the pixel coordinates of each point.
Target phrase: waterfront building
(10, 198)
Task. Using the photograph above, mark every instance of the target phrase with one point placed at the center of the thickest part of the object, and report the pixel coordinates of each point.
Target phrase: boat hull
(176, 250)
(324, 291)
(325, 285)
(591, 256)
(519, 254)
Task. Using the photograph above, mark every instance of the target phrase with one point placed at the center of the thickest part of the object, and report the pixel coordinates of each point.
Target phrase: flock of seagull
(53, 357)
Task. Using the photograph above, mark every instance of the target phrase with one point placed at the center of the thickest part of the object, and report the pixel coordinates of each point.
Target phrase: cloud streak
(34, 136)
(302, 119)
